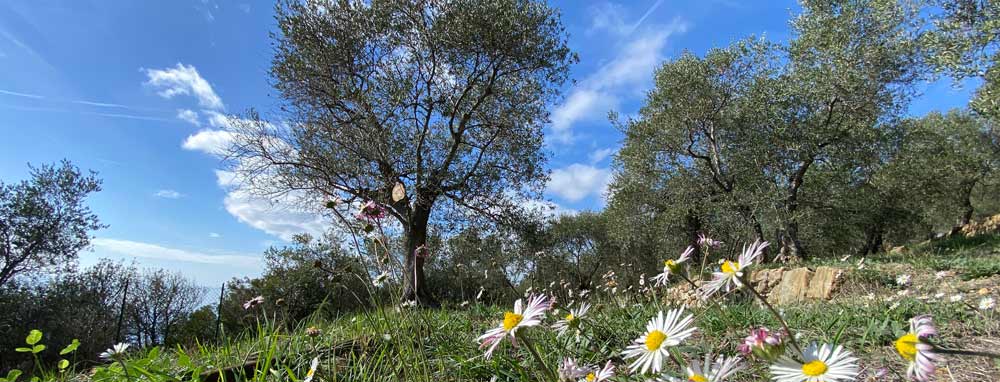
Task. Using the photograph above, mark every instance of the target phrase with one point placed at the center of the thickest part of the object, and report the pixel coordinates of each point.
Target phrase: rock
(823, 282)
(897, 250)
(793, 287)
(990, 225)
(764, 280)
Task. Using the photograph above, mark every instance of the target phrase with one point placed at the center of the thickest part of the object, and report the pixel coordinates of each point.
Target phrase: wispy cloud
(600, 155)
(214, 235)
(578, 181)
(168, 194)
(189, 116)
(184, 80)
(155, 251)
(100, 104)
(17, 94)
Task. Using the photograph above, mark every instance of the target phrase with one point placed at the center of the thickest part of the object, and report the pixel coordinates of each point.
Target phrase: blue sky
(135, 90)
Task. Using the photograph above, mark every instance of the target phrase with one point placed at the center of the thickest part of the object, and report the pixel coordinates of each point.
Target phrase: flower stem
(974, 353)
(534, 353)
(791, 336)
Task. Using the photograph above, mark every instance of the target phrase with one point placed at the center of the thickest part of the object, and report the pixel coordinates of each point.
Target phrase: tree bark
(693, 228)
(416, 236)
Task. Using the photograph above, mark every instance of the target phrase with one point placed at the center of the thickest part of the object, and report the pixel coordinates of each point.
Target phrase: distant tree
(44, 221)
(158, 301)
(578, 251)
(196, 327)
(447, 98)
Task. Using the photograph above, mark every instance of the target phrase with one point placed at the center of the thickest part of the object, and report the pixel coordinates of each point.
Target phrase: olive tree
(445, 99)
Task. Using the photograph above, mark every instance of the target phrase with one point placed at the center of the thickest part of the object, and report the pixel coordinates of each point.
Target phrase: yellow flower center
(310, 373)
(654, 339)
(814, 368)
(510, 320)
(591, 377)
(906, 346)
(697, 378)
(730, 267)
(671, 265)
(570, 317)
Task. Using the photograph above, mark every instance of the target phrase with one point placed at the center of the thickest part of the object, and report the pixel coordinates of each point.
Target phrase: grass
(401, 344)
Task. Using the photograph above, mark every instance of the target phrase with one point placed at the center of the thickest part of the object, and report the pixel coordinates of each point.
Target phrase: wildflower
(731, 272)
(380, 279)
(915, 351)
(940, 275)
(903, 280)
(599, 375)
(711, 371)
(312, 370)
(115, 352)
(572, 320)
(371, 211)
(987, 303)
(956, 298)
(650, 350)
(569, 370)
(253, 302)
(521, 317)
(672, 266)
(824, 363)
(480, 294)
(708, 242)
(763, 344)
(313, 331)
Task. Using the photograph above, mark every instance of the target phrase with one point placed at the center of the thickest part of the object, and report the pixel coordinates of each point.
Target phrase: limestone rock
(823, 282)
(793, 287)
(764, 280)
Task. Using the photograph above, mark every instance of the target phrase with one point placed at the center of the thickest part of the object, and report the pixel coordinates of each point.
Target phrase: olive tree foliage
(749, 140)
(961, 41)
(44, 220)
(578, 250)
(160, 300)
(444, 97)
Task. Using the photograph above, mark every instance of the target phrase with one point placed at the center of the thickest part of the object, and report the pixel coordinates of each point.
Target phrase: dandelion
(572, 320)
(569, 370)
(764, 344)
(709, 370)
(708, 242)
(253, 303)
(824, 363)
(903, 280)
(672, 266)
(731, 272)
(312, 370)
(918, 353)
(662, 332)
(987, 303)
(599, 375)
(521, 317)
(115, 352)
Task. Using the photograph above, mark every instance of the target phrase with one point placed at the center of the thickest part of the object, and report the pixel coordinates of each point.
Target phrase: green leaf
(33, 337)
(23, 350)
(71, 347)
(154, 353)
(12, 375)
(63, 364)
(37, 349)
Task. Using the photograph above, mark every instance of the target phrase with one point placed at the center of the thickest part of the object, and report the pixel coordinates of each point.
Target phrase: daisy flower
(253, 302)
(380, 279)
(522, 317)
(915, 351)
(672, 266)
(903, 280)
(987, 303)
(312, 370)
(824, 363)
(662, 332)
(569, 370)
(764, 344)
(709, 370)
(572, 320)
(731, 272)
(708, 242)
(115, 352)
(599, 375)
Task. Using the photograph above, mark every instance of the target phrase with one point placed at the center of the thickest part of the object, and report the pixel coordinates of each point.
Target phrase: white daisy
(572, 320)
(312, 370)
(903, 280)
(987, 303)
(672, 266)
(521, 317)
(115, 352)
(709, 370)
(599, 375)
(824, 363)
(731, 272)
(918, 354)
(650, 350)
(569, 370)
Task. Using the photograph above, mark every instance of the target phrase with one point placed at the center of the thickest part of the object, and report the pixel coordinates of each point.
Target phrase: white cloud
(280, 217)
(168, 194)
(214, 235)
(214, 142)
(25, 95)
(184, 80)
(189, 116)
(154, 251)
(627, 75)
(610, 17)
(599, 155)
(578, 181)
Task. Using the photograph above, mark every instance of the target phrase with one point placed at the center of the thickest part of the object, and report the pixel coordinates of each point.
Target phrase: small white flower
(600, 375)
(662, 332)
(672, 266)
(919, 355)
(709, 370)
(903, 280)
(521, 317)
(572, 320)
(569, 370)
(312, 370)
(956, 298)
(730, 274)
(987, 303)
(380, 279)
(115, 352)
(824, 363)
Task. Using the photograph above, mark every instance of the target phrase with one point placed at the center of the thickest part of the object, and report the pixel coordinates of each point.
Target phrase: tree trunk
(758, 229)
(693, 228)
(967, 209)
(416, 235)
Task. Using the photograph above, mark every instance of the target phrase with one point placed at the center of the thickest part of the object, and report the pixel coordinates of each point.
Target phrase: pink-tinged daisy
(662, 332)
(764, 344)
(521, 317)
(600, 375)
(708, 242)
(572, 320)
(825, 363)
(710, 370)
(570, 370)
(730, 274)
(918, 354)
(672, 267)
(253, 302)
